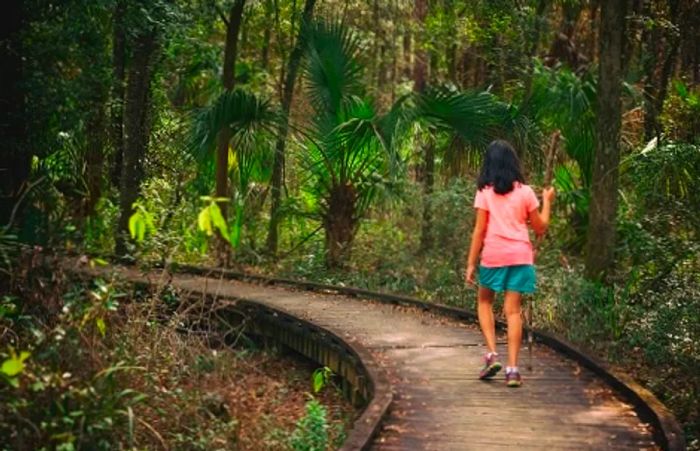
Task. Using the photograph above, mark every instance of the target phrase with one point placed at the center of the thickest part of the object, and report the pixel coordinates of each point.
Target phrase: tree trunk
(428, 187)
(15, 164)
(672, 44)
(136, 130)
(420, 65)
(117, 107)
(267, 33)
(340, 224)
(229, 81)
(278, 162)
(95, 152)
(658, 51)
(532, 50)
(604, 197)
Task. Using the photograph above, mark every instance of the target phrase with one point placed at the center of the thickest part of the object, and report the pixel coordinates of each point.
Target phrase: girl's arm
(540, 220)
(482, 217)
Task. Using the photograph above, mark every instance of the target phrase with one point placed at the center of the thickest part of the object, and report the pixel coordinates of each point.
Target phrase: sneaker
(491, 367)
(513, 379)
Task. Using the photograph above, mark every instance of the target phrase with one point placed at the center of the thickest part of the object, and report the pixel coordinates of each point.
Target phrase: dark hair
(501, 168)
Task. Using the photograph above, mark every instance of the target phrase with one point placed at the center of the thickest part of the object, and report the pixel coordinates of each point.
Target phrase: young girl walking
(504, 205)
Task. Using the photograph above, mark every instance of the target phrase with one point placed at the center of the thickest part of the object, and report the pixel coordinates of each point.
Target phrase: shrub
(311, 433)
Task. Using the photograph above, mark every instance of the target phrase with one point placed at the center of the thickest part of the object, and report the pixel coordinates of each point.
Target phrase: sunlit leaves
(141, 222)
(210, 219)
(320, 378)
(13, 366)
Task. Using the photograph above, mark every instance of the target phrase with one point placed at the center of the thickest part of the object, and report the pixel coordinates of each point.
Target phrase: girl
(504, 204)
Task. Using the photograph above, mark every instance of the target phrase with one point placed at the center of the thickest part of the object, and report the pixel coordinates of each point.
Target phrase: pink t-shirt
(507, 241)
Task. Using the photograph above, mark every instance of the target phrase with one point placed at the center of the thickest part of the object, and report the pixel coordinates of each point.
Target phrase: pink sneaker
(513, 379)
(491, 367)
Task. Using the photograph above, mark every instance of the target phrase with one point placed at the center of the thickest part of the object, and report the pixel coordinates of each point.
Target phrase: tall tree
(233, 27)
(604, 186)
(15, 163)
(287, 94)
(420, 66)
(661, 44)
(136, 127)
(118, 86)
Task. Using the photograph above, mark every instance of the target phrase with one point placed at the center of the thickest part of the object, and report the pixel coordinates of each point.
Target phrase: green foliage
(243, 113)
(561, 100)
(320, 378)
(681, 114)
(211, 219)
(141, 223)
(348, 153)
(251, 122)
(471, 119)
(311, 433)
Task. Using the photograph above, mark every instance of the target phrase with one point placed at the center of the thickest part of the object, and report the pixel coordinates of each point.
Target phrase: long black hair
(501, 168)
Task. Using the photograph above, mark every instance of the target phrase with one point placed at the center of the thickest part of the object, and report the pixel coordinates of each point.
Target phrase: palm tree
(251, 123)
(349, 151)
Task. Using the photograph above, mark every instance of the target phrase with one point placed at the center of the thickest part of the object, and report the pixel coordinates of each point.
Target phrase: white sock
(512, 369)
(491, 354)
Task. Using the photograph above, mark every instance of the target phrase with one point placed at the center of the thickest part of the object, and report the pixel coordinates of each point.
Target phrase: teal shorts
(520, 278)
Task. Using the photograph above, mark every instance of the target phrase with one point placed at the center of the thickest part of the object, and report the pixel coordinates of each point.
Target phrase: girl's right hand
(469, 275)
(548, 194)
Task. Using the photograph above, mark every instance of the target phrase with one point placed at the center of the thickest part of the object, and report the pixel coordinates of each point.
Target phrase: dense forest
(337, 141)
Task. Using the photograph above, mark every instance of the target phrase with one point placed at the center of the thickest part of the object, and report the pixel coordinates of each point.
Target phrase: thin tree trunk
(420, 66)
(604, 197)
(95, 152)
(407, 54)
(532, 50)
(117, 107)
(649, 42)
(267, 33)
(136, 130)
(673, 43)
(278, 163)
(655, 89)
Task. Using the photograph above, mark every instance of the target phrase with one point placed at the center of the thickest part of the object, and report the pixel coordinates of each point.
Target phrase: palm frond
(562, 100)
(332, 68)
(243, 113)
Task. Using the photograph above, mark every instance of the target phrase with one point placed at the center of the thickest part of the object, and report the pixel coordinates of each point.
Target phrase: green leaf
(14, 365)
(101, 326)
(204, 221)
(218, 220)
(100, 262)
(318, 380)
(137, 226)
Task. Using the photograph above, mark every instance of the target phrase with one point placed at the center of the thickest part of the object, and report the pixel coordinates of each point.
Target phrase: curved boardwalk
(439, 404)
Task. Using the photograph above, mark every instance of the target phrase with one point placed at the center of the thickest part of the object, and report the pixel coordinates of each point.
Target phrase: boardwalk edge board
(667, 432)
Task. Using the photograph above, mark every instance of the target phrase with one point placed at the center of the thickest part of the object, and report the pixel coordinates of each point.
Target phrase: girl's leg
(515, 326)
(486, 319)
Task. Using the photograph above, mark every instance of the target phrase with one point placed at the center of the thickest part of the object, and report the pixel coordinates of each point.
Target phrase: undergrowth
(94, 364)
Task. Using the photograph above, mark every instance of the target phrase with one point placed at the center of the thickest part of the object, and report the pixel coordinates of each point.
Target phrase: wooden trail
(432, 364)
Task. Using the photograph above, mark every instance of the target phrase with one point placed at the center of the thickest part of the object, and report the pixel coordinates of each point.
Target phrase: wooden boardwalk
(439, 403)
